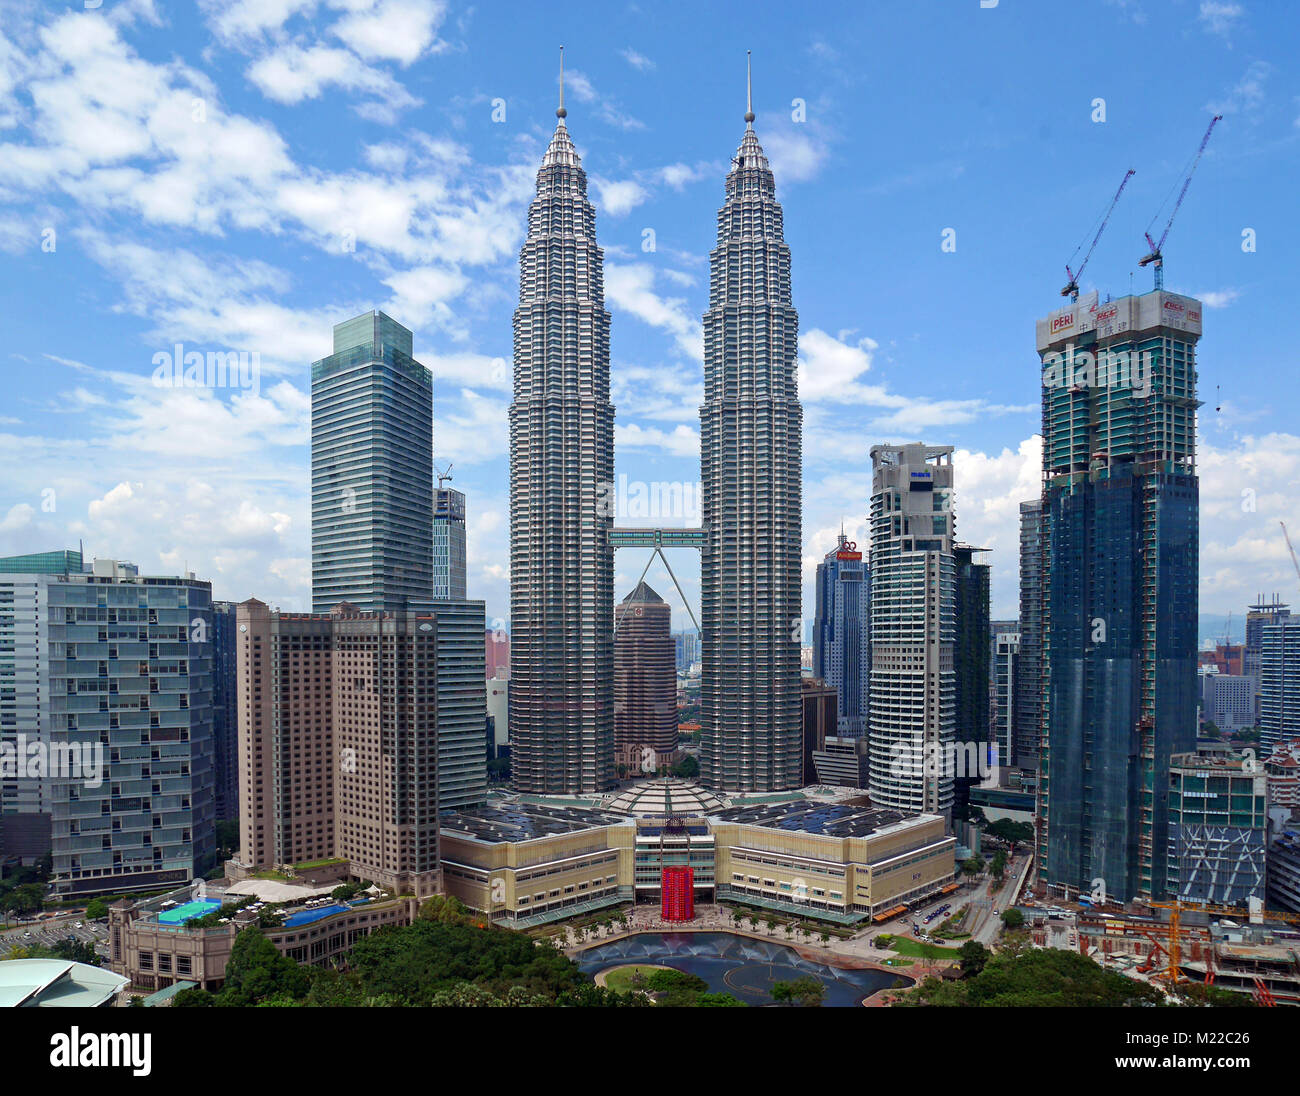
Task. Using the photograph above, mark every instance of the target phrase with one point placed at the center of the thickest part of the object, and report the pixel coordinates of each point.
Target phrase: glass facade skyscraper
(751, 460)
(561, 469)
(913, 697)
(449, 545)
(972, 656)
(1120, 529)
(842, 634)
(225, 712)
(371, 469)
(1027, 716)
(130, 671)
(1279, 682)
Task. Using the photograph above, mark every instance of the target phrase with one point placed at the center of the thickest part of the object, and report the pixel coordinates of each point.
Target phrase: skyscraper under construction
(1119, 611)
(561, 458)
(751, 467)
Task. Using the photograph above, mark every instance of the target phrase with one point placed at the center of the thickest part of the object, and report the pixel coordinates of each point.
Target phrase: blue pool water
(178, 915)
(306, 917)
(744, 967)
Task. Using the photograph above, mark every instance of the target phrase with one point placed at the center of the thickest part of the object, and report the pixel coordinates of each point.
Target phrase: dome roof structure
(666, 797)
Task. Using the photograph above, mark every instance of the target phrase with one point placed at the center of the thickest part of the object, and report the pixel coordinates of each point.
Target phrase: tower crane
(1071, 289)
(1294, 562)
(444, 477)
(1156, 254)
(1176, 910)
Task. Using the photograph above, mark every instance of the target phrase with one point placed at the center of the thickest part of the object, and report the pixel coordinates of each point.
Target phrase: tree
(446, 909)
(96, 909)
(974, 957)
(825, 939)
(227, 838)
(688, 768)
(194, 997)
(1014, 833)
(1037, 978)
(999, 865)
(805, 991)
(972, 867)
(25, 899)
(1012, 918)
(256, 972)
(770, 922)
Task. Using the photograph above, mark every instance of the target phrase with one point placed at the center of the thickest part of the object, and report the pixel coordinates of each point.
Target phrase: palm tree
(826, 939)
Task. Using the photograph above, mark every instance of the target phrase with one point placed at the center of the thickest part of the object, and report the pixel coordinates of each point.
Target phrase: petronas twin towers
(562, 467)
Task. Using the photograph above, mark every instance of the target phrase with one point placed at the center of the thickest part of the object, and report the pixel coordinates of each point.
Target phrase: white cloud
(234, 20)
(1247, 94)
(1218, 298)
(294, 73)
(618, 197)
(17, 516)
(681, 441)
(607, 109)
(796, 153)
(638, 61)
(629, 287)
(392, 30)
(422, 294)
(828, 367)
(473, 429)
(1219, 17)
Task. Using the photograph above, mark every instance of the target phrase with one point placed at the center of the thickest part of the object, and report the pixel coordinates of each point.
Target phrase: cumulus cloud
(681, 441)
(629, 287)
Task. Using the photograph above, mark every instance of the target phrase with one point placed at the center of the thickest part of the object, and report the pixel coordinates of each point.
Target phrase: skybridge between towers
(657, 540)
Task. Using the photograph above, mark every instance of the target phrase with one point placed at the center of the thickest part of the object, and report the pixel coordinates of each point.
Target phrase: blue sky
(242, 175)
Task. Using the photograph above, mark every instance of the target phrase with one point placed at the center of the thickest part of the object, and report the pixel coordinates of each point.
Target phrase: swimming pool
(740, 965)
(306, 917)
(178, 915)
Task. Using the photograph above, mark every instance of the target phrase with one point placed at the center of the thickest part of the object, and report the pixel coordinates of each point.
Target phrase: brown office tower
(353, 728)
(645, 680)
(386, 734)
(286, 745)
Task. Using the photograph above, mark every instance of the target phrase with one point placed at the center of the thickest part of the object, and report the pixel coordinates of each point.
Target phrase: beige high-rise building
(286, 788)
(353, 726)
(386, 729)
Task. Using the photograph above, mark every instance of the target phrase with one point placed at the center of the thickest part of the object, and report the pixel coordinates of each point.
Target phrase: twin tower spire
(561, 113)
(563, 507)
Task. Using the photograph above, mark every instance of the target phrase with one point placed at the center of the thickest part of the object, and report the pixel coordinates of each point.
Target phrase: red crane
(1071, 289)
(1156, 254)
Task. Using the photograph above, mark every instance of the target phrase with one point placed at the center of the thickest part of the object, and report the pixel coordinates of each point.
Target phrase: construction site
(1172, 943)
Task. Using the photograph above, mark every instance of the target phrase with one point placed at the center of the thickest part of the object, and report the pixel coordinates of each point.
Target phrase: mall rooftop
(524, 822)
(828, 819)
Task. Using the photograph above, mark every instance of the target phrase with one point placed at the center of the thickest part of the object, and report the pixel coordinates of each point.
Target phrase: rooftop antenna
(560, 112)
(749, 91)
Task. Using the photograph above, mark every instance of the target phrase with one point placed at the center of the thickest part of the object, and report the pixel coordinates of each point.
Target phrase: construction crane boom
(1156, 254)
(1294, 562)
(1071, 289)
